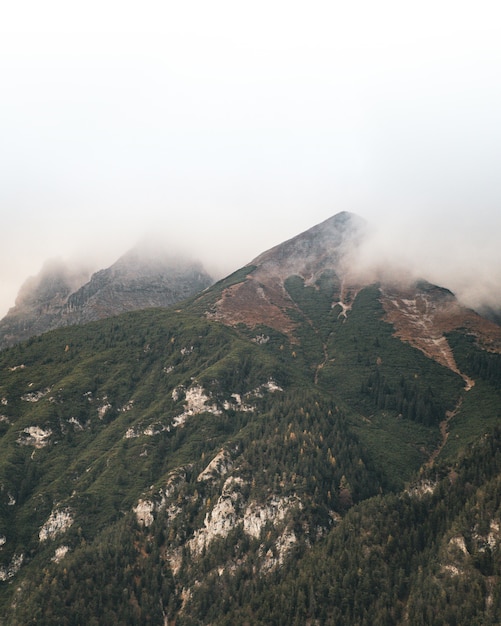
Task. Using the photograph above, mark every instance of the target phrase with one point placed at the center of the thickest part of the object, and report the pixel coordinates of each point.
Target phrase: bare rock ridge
(40, 302)
(136, 281)
(59, 296)
(421, 314)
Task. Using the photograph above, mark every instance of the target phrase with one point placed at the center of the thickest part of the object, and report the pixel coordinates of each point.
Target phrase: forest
(162, 468)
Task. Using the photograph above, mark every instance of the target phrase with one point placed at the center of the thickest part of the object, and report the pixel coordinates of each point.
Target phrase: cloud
(457, 250)
(231, 128)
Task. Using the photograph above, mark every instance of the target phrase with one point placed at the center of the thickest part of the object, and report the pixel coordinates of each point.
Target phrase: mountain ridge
(319, 466)
(138, 279)
(261, 296)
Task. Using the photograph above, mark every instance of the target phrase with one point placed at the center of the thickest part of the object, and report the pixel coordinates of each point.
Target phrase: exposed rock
(60, 553)
(144, 512)
(196, 402)
(276, 557)
(35, 396)
(75, 423)
(222, 518)
(58, 522)
(219, 466)
(494, 536)
(147, 508)
(59, 296)
(257, 516)
(261, 340)
(34, 436)
(489, 540)
(228, 512)
(236, 404)
(422, 488)
(104, 408)
(421, 315)
(10, 570)
(40, 302)
(174, 557)
(452, 570)
(271, 386)
(459, 542)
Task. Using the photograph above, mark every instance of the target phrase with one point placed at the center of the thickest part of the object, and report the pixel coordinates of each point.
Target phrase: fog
(224, 129)
(459, 252)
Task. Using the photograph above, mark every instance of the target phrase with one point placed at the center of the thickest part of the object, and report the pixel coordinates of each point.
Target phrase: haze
(225, 128)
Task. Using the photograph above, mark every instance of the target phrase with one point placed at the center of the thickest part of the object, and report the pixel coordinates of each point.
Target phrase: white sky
(231, 126)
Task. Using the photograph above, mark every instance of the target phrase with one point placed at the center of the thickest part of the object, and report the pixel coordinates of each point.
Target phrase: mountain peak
(58, 296)
(322, 264)
(321, 247)
(344, 218)
(262, 297)
(55, 281)
(161, 468)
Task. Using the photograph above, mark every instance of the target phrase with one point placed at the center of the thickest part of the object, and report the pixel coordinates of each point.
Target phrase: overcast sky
(228, 127)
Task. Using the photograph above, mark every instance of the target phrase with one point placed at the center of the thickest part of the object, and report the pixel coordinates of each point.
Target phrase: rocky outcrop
(220, 465)
(231, 510)
(138, 280)
(222, 518)
(9, 571)
(59, 296)
(57, 523)
(40, 302)
(148, 507)
(35, 436)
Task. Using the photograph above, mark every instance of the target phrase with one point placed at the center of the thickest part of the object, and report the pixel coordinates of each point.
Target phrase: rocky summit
(59, 296)
(299, 443)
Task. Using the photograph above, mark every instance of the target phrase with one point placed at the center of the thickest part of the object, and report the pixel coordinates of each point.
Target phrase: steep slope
(260, 296)
(320, 464)
(40, 301)
(139, 279)
(282, 289)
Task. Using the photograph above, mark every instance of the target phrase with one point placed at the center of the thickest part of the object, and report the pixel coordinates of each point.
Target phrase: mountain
(142, 278)
(314, 276)
(294, 445)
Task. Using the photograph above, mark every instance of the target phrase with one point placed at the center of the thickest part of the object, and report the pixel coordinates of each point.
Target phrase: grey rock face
(61, 297)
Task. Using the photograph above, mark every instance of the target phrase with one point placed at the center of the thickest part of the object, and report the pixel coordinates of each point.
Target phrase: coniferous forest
(160, 467)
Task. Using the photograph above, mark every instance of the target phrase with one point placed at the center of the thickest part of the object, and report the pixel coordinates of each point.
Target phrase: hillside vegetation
(162, 468)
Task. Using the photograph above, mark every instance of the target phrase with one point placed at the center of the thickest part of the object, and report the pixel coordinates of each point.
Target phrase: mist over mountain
(299, 443)
(334, 254)
(491, 313)
(142, 278)
(443, 249)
